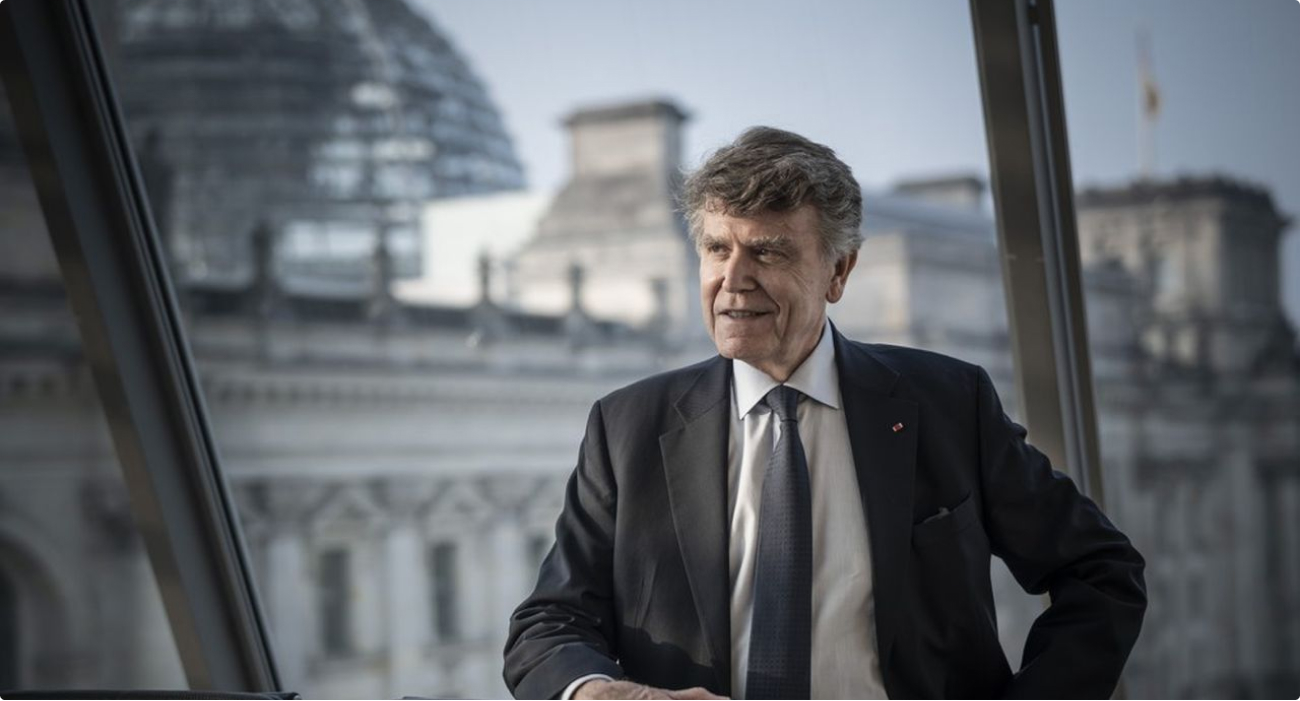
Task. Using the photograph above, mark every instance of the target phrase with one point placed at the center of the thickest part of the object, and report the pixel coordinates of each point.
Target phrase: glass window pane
(79, 605)
(414, 241)
(1188, 176)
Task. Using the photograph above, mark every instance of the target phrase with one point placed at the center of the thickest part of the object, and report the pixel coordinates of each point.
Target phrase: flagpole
(1148, 106)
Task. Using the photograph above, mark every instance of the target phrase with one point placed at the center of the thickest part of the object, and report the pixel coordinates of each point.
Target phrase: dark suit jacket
(637, 584)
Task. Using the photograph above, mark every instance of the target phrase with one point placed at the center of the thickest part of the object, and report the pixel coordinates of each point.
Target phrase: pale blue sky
(892, 85)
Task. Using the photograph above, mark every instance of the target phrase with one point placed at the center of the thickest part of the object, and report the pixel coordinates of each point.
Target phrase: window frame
(99, 222)
(1017, 57)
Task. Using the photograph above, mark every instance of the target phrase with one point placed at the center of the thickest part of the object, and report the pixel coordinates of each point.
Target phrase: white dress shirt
(845, 662)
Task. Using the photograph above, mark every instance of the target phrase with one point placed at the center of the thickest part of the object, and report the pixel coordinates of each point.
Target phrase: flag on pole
(1148, 106)
(1150, 90)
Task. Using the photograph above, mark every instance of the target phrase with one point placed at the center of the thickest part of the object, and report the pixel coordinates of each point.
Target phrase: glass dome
(326, 122)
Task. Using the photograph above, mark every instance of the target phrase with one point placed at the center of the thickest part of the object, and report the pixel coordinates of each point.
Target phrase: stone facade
(1207, 252)
(455, 427)
(1200, 436)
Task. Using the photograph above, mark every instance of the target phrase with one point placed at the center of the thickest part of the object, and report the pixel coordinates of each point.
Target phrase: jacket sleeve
(1055, 540)
(565, 629)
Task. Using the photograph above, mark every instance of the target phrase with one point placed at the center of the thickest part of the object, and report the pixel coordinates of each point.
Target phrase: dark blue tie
(780, 634)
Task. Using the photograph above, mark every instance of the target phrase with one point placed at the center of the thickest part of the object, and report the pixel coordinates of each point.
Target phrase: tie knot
(784, 402)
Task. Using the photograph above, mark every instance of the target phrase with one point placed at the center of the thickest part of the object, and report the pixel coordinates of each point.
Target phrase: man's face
(764, 285)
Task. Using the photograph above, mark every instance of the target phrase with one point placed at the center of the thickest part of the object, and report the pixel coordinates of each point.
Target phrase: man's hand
(602, 689)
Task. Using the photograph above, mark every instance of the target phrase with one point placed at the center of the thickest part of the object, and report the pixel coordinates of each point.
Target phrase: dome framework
(327, 122)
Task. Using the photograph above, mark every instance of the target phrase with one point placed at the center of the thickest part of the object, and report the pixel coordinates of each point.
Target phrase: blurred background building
(398, 460)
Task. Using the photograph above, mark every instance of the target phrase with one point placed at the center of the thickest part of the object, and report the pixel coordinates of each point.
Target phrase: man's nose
(738, 274)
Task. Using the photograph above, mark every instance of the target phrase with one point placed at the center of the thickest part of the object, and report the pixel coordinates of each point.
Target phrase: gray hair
(771, 170)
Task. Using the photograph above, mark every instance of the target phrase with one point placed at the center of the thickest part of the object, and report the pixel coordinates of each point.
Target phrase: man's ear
(840, 277)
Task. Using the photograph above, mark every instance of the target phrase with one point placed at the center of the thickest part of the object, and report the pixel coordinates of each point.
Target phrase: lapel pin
(898, 428)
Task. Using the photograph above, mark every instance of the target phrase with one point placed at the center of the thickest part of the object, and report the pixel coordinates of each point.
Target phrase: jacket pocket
(956, 520)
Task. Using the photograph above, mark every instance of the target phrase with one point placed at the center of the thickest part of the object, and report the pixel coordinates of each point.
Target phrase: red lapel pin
(898, 427)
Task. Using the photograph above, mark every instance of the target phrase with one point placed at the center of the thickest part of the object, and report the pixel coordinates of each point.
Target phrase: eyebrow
(780, 244)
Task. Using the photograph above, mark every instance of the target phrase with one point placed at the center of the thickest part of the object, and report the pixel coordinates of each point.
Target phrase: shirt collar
(816, 377)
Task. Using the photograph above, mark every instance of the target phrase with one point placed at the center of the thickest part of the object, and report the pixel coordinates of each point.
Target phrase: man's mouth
(743, 314)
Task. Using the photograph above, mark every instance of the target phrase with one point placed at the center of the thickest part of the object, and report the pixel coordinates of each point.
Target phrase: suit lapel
(695, 466)
(885, 462)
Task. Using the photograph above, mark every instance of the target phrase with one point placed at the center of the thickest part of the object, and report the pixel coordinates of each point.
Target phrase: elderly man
(806, 516)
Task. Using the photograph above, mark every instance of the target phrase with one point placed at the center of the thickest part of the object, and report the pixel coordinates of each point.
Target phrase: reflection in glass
(79, 605)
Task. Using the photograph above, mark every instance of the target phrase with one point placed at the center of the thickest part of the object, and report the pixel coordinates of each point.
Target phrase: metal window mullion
(1073, 335)
(98, 220)
(1016, 54)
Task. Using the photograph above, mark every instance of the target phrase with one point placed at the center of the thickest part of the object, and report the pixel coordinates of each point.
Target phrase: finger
(632, 690)
(695, 692)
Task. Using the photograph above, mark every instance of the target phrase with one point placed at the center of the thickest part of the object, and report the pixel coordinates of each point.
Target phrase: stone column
(510, 566)
(500, 567)
(288, 579)
(404, 584)
(508, 548)
(403, 561)
(289, 576)
(1244, 583)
